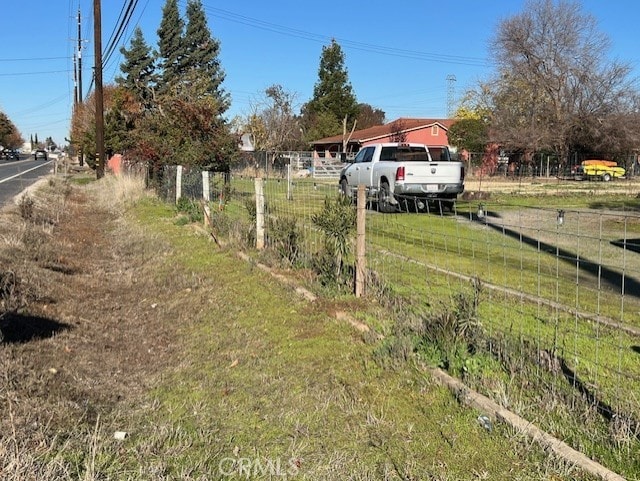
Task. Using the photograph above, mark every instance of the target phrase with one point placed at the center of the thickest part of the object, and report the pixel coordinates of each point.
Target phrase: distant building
(423, 131)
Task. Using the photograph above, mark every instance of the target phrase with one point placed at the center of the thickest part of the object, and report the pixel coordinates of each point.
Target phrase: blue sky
(398, 56)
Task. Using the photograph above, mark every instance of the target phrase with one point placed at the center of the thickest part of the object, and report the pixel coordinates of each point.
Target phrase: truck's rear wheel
(606, 177)
(384, 204)
(344, 188)
(446, 205)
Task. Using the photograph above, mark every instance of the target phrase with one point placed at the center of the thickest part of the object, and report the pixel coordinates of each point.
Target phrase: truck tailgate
(432, 172)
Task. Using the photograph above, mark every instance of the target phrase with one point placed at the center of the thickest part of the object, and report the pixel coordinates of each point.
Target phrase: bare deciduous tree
(555, 88)
(272, 125)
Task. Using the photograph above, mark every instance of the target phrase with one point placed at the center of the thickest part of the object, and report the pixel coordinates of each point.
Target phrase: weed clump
(191, 209)
(26, 206)
(450, 338)
(13, 295)
(284, 236)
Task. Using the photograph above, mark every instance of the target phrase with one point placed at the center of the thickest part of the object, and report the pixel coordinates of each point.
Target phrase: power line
(116, 35)
(32, 59)
(123, 23)
(18, 74)
(367, 47)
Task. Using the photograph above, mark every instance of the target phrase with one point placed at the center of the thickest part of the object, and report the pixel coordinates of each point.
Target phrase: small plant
(26, 206)
(284, 237)
(450, 339)
(459, 324)
(13, 294)
(248, 236)
(337, 220)
(220, 222)
(191, 208)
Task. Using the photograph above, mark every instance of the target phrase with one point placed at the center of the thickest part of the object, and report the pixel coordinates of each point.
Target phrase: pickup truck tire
(344, 188)
(384, 205)
(606, 177)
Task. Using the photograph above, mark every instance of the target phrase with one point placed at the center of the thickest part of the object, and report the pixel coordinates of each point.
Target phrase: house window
(434, 130)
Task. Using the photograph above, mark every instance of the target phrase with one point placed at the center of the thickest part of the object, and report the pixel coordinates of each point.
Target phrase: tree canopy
(169, 104)
(201, 52)
(273, 124)
(9, 135)
(470, 134)
(138, 69)
(368, 116)
(555, 87)
(333, 99)
(170, 43)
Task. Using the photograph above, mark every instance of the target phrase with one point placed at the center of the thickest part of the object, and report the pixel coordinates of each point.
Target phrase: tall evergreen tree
(138, 69)
(332, 95)
(170, 43)
(201, 51)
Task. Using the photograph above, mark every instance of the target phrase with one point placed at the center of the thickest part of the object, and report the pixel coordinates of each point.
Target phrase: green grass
(267, 377)
(605, 360)
(82, 179)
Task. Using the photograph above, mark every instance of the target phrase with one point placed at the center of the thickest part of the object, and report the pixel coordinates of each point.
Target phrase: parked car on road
(10, 154)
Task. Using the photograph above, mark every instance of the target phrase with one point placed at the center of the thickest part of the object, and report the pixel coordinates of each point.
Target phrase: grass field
(141, 350)
(554, 294)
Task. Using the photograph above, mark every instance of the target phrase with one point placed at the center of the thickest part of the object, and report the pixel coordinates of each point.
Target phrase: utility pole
(79, 59)
(77, 78)
(99, 95)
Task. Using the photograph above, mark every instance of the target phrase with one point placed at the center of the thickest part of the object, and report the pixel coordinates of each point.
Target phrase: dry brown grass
(78, 290)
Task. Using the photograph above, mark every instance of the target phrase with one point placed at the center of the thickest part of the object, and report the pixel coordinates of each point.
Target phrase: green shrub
(284, 237)
(337, 221)
(193, 209)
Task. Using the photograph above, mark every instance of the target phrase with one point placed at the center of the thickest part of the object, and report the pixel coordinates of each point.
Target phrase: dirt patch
(477, 186)
(97, 326)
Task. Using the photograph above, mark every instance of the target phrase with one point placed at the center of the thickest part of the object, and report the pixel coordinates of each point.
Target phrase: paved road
(17, 175)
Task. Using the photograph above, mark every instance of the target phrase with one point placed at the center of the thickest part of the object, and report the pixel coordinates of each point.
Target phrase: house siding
(420, 136)
(423, 131)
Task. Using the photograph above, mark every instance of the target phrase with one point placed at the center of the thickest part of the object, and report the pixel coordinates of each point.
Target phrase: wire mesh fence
(558, 288)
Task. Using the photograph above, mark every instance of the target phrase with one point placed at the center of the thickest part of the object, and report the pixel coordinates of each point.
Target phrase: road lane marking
(25, 172)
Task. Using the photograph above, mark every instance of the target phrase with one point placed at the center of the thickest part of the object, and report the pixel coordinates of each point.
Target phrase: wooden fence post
(206, 198)
(259, 183)
(361, 260)
(206, 189)
(178, 183)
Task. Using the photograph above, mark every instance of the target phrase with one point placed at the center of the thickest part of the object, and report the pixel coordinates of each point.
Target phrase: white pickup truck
(402, 175)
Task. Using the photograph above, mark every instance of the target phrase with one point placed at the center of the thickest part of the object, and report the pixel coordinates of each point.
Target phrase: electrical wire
(20, 74)
(32, 59)
(108, 65)
(122, 27)
(116, 34)
(367, 47)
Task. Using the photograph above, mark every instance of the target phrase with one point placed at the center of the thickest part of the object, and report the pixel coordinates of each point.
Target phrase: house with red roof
(423, 131)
